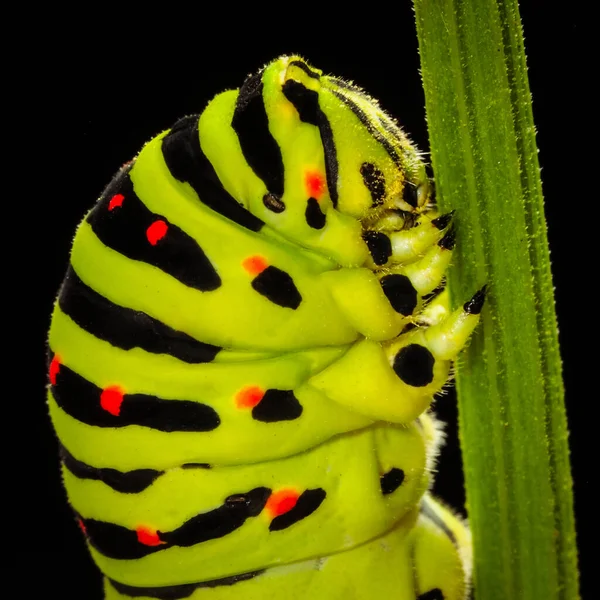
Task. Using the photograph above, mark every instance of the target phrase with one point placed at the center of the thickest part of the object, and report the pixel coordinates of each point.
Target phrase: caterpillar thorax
(244, 349)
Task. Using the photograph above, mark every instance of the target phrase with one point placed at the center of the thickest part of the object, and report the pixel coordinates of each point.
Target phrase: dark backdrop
(95, 95)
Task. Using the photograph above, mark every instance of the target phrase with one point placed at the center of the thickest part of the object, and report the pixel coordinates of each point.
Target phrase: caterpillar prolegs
(244, 350)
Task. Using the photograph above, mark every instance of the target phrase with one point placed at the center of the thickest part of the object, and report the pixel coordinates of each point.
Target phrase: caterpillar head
(324, 158)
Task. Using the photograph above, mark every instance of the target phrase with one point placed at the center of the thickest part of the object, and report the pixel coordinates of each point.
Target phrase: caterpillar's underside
(244, 350)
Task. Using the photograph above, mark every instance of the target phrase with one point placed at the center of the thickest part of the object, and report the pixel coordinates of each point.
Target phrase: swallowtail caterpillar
(244, 350)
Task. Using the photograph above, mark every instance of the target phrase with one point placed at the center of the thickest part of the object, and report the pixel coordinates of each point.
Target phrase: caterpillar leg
(405, 245)
(380, 304)
(409, 370)
(441, 553)
(437, 308)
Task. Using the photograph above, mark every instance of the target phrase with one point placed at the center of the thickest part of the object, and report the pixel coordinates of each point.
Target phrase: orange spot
(156, 232)
(282, 501)
(82, 526)
(54, 369)
(116, 201)
(255, 264)
(249, 397)
(148, 536)
(111, 399)
(315, 184)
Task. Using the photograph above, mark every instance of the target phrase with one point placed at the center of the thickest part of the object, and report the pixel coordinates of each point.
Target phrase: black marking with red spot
(82, 400)
(179, 592)
(306, 102)
(306, 504)
(115, 541)
(278, 287)
(187, 163)
(132, 230)
(128, 482)
(271, 406)
(127, 328)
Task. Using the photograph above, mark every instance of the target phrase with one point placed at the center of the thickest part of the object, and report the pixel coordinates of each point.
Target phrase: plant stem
(511, 398)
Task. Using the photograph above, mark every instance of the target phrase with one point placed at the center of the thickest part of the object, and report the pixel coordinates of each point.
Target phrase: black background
(94, 94)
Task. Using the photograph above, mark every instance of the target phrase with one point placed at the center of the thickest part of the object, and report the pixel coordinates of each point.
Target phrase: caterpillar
(244, 350)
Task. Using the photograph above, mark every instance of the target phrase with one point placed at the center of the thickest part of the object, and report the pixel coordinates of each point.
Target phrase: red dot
(116, 201)
(82, 526)
(282, 501)
(148, 536)
(111, 399)
(156, 231)
(255, 264)
(54, 369)
(249, 397)
(315, 184)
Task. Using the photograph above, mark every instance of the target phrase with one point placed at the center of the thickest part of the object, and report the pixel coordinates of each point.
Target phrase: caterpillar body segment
(244, 350)
(385, 561)
(219, 512)
(439, 551)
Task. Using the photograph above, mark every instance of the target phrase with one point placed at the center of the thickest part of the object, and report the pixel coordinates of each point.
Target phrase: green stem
(511, 398)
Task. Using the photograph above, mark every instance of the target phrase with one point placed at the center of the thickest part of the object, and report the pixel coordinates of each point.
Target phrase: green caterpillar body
(244, 350)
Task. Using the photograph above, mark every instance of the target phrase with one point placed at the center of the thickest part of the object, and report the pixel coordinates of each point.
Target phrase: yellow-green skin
(335, 351)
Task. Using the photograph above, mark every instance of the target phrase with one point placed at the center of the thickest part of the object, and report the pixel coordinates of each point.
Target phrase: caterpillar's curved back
(241, 356)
